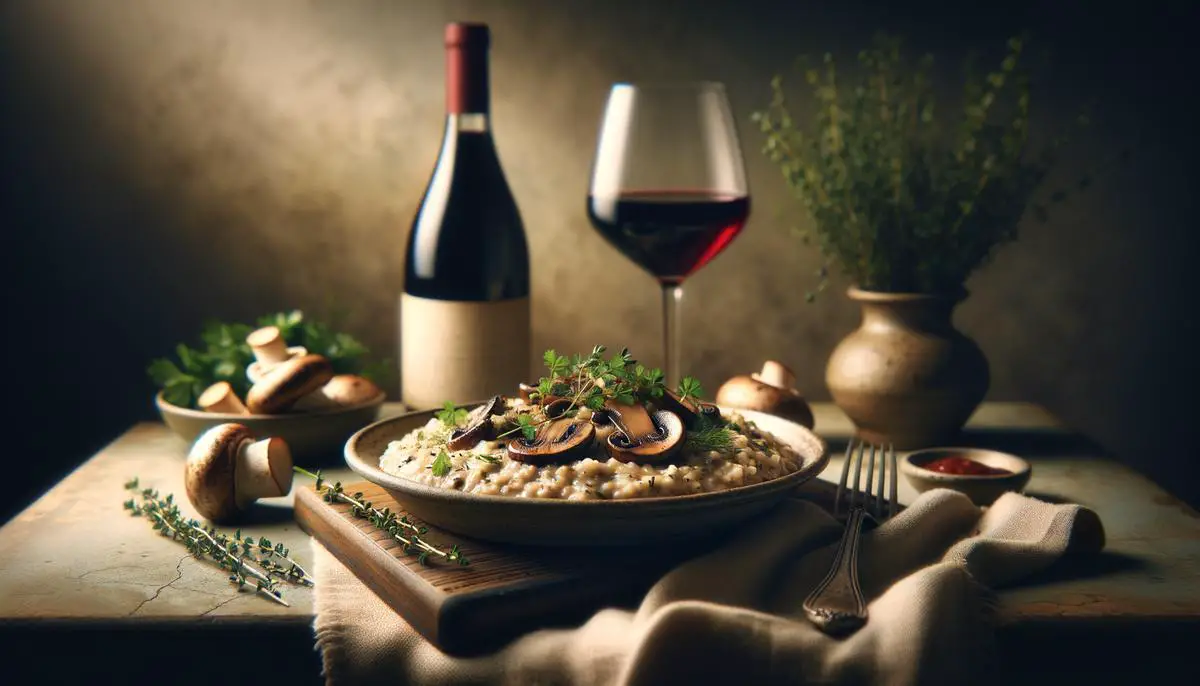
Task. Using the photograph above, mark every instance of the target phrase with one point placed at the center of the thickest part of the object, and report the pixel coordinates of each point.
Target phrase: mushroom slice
(479, 426)
(561, 440)
(690, 410)
(288, 382)
(601, 417)
(555, 409)
(641, 436)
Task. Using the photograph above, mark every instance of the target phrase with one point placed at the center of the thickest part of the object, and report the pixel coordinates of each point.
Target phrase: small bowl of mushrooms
(295, 396)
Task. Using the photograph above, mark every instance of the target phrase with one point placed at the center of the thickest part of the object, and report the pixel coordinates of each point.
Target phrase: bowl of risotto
(560, 464)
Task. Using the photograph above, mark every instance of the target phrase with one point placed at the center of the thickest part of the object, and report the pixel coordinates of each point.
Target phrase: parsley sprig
(451, 415)
(441, 464)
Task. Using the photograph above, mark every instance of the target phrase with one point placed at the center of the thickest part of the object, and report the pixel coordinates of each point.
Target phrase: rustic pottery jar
(906, 376)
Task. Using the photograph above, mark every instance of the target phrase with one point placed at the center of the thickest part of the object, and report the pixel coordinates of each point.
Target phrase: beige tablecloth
(733, 616)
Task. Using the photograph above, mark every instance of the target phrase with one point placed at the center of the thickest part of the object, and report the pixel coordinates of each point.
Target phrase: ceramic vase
(906, 376)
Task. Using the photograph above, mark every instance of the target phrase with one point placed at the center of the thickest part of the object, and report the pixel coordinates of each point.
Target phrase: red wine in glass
(670, 234)
(668, 187)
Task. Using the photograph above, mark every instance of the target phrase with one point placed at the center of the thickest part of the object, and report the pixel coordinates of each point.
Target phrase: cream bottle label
(461, 351)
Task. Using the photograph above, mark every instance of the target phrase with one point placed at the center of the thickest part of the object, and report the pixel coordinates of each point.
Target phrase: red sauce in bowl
(955, 464)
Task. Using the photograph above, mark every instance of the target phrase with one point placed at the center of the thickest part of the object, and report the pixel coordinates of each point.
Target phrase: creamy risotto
(619, 452)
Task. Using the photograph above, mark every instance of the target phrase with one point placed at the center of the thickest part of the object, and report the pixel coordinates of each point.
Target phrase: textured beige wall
(226, 158)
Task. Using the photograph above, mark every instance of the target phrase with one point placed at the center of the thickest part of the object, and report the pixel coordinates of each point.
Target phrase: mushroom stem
(263, 470)
(220, 397)
(776, 374)
(268, 346)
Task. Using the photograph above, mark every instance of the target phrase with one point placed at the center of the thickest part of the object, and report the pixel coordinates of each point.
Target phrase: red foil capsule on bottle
(467, 89)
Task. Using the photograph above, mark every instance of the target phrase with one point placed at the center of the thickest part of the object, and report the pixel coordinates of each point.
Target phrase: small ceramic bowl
(314, 437)
(982, 489)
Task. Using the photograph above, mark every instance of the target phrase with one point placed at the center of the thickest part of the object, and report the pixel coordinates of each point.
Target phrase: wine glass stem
(672, 297)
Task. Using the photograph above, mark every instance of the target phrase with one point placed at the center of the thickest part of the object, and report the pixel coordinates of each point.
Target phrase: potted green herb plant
(908, 203)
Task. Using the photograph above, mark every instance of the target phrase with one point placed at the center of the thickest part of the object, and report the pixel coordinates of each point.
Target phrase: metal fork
(836, 605)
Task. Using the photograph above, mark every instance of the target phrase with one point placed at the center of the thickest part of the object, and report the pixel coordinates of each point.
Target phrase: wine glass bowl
(668, 187)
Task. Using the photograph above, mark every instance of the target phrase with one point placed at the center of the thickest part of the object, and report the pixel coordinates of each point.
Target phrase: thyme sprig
(245, 558)
(591, 381)
(902, 195)
(408, 533)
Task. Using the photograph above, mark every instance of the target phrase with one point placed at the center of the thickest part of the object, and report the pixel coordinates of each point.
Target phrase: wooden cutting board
(506, 591)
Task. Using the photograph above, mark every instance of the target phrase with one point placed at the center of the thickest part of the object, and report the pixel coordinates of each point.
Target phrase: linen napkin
(734, 616)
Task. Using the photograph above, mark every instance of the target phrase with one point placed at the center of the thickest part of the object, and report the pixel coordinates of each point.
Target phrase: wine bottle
(464, 311)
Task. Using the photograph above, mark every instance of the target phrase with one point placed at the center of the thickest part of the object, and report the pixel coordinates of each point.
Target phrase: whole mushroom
(270, 350)
(228, 469)
(287, 383)
(343, 390)
(771, 390)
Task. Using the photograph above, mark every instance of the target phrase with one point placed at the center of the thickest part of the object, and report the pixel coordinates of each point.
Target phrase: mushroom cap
(643, 437)
(689, 410)
(561, 440)
(209, 472)
(748, 392)
(288, 382)
(349, 390)
(479, 426)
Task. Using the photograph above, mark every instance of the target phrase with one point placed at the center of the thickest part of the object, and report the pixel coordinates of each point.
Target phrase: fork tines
(871, 495)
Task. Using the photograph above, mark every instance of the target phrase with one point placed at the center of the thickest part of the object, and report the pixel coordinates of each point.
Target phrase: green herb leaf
(490, 459)
(689, 387)
(528, 426)
(441, 464)
(450, 415)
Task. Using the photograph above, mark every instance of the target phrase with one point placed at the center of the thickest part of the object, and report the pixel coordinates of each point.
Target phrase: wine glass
(668, 186)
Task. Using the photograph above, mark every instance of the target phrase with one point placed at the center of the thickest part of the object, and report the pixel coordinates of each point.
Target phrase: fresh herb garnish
(690, 388)
(490, 459)
(245, 558)
(441, 464)
(451, 415)
(707, 436)
(224, 356)
(527, 426)
(590, 381)
(407, 532)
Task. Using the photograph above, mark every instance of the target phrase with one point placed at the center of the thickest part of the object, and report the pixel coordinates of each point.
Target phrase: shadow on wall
(171, 163)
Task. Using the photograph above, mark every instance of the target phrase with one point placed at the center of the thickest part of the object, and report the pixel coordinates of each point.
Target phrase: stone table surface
(75, 557)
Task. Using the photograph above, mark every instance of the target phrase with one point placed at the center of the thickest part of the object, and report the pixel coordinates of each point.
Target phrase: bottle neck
(467, 88)
(468, 122)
